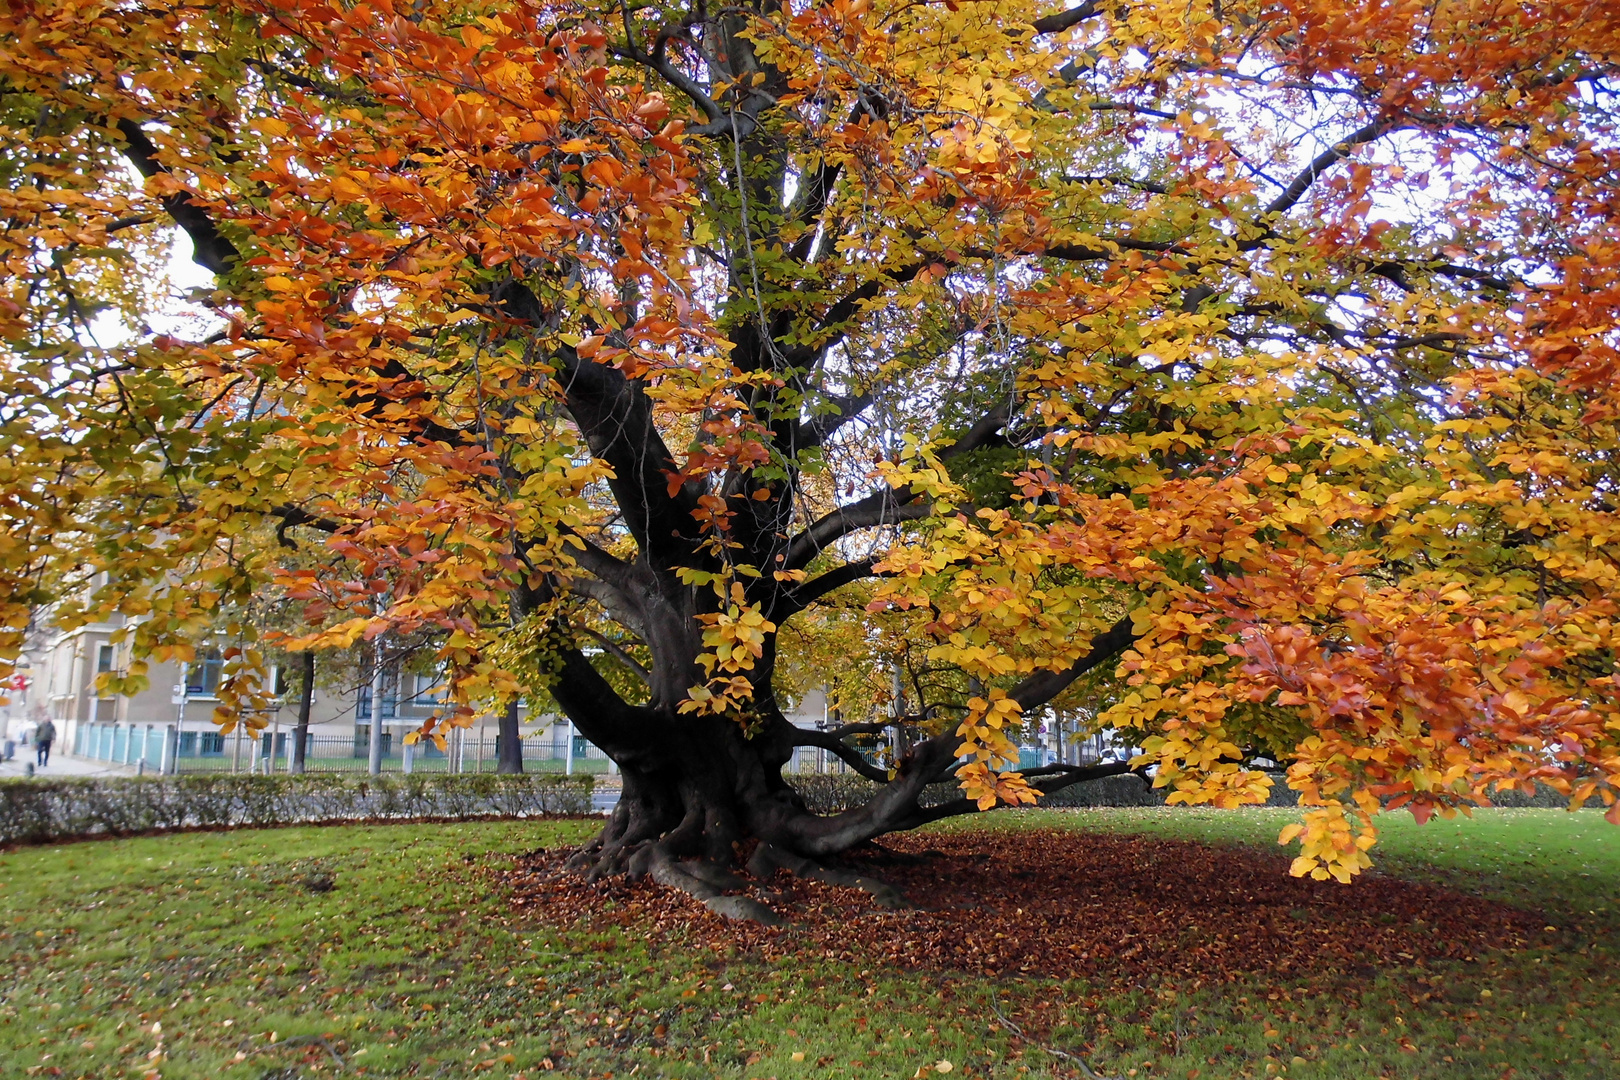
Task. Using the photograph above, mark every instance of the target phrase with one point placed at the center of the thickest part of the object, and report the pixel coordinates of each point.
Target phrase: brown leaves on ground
(1062, 904)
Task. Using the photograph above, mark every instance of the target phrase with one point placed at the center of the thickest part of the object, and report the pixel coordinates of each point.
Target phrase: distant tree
(1258, 356)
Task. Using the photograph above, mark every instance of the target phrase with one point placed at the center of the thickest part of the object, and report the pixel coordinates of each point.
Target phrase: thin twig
(1018, 1032)
(309, 1040)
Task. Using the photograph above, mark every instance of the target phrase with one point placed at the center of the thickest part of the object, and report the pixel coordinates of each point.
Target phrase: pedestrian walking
(43, 737)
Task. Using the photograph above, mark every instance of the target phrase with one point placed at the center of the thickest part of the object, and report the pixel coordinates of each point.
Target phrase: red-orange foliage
(1266, 348)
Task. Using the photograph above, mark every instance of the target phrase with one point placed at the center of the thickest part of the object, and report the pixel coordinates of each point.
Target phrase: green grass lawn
(210, 955)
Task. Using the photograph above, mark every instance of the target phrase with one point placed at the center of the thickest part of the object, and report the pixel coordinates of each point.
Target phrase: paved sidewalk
(61, 765)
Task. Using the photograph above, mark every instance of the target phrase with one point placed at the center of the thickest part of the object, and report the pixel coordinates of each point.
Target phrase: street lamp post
(374, 744)
(171, 754)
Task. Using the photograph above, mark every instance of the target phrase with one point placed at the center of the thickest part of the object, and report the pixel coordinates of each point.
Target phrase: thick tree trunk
(703, 794)
(701, 798)
(509, 748)
(306, 697)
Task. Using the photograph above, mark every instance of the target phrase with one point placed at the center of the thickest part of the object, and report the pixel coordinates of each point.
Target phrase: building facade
(169, 725)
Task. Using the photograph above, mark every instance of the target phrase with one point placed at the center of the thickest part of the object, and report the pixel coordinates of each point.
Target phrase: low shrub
(39, 811)
(1545, 798)
(833, 793)
(836, 792)
(1131, 791)
(1124, 790)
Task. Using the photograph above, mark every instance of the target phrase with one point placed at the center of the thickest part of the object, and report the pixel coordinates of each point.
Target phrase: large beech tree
(1242, 371)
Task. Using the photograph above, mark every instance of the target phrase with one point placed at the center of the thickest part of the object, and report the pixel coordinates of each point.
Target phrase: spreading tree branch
(845, 753)
(209, 247)
(1070, 775)
(880, 508)
(889, 505)
(615, 415)
(294, 516)
(1043, 686)
(1065, 20)
(1326, 160)
(620, 655)
(809, 592)
(615, 602)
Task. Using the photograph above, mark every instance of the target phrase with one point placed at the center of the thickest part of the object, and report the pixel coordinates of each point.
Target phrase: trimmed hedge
(1545, 798)
(1127, 790)
(835, 792)
(40, 811)
(1123, 790)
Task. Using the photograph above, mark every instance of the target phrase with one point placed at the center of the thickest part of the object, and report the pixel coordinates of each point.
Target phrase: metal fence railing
(468, 751)
(161, 749)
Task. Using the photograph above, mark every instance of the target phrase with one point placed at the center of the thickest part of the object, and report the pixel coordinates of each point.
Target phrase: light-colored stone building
(169, 725)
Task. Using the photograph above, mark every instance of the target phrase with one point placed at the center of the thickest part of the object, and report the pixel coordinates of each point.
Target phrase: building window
(204, 673)
(390, 703)
(213, 743)
(392, 684)
(429, 690)
(105, 657)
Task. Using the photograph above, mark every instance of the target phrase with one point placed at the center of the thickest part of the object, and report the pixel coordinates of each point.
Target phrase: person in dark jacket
(44, 735)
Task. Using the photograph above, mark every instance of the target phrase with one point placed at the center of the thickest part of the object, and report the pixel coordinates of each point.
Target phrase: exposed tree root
(768, 858)
(699, 879)
(687, 830)
(713, 884)
(1018, 1033)
(716, 886)
(633, 845)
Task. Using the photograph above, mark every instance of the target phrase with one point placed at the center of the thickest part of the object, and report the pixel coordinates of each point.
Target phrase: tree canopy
(1241, 372)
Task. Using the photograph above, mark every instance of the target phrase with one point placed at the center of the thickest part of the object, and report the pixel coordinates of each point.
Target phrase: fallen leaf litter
(1062, 904)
